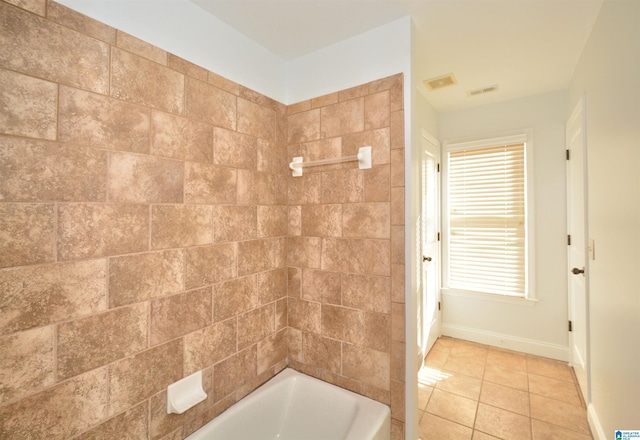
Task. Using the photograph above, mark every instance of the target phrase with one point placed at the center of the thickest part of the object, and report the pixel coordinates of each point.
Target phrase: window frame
(521, 136)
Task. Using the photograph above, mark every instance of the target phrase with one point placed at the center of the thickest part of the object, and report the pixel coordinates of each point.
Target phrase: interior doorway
(577, 247)
(429, 239)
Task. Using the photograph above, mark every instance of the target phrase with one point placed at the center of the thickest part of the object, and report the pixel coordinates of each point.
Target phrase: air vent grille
(440, 82)
(483, 90)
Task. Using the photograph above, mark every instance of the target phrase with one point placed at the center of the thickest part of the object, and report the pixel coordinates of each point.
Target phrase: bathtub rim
(375, 428)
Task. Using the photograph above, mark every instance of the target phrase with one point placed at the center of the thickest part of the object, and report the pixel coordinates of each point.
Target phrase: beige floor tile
(437, 356)
(445, 341)
(424, 393)
(549, 368)
(431, 376)
(507, 377)
(452, 407)
(461, 385)
(506, 398)
(565, 415)
(554, 389)
(507, 358)
(546, 431)
(470, 349)
(502, 424)
(436, 428)
(477, 435)
(466, 364)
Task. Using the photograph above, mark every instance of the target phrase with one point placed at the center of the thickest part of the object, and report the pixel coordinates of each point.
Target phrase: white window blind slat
(487, 219)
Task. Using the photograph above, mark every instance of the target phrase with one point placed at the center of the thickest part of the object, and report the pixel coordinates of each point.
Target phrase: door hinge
(438, 305)
(568, 155)
(438, 167)
(568, 240)
(570, 326)
(438, 236)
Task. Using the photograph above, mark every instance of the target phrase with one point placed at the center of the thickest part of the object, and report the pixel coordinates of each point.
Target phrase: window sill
(526, 302)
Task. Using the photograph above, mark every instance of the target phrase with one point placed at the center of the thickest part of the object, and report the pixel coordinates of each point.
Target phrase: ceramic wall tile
(256, 120)
(234, 372)
(140, 277)
(210, 104)
(42, 295)
(141, 48)
(342, 118)
(272, 350)
(38, 171)
(78, 22)
(223, 83)
(180, 138)
(89, 230)
(141, 81)
(52, 52)
(188, 68)
(102, 122)
(27, 363)
(210, 345)
(181, 225)
(272, 285)
(256, 325)
(132, 423)
(180, 314)
(211, 264)
(235, 149)
(97, 340)
(29, 106)
(27, 234)
(62, 411)
(136, 378)
(366, 220)
(210, 184)
(235, 297)
(144, 179)
(235, 222)
(36, 6)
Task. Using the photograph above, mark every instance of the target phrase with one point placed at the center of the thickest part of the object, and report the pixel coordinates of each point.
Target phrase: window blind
(487, 220)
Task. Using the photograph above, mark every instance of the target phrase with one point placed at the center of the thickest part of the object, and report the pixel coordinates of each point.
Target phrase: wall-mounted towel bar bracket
(363, 157)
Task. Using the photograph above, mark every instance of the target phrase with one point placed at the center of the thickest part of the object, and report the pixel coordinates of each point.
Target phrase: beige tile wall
(149, 229)
(345, 244)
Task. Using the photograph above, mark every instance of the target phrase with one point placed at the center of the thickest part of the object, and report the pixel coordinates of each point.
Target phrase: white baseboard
(594, 424)
(530, 346)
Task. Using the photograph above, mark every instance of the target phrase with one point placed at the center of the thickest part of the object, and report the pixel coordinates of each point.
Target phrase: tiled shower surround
(150, 228)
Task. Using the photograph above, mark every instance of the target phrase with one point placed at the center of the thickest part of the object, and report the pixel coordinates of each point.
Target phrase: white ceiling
(526, 47)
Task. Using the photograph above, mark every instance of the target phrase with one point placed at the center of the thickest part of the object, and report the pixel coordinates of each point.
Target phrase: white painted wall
(426, 117)
(608, 73)
(537, 328)
(378, 53)
(184, 29)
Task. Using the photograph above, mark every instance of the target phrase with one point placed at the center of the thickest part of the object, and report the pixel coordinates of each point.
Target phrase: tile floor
(470, 391)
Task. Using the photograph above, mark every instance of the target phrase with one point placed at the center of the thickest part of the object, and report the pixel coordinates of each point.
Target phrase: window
(486, 216)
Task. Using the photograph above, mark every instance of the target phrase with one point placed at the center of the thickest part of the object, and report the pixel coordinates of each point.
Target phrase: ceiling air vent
(440, 82)
(483, 90)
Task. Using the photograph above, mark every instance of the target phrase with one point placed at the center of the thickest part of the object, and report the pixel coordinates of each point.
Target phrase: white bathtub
(294, 406)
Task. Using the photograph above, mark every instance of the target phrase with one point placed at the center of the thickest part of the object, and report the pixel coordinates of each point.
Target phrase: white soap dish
(185, 393)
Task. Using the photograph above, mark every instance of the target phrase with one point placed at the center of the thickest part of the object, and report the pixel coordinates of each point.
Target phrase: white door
(429, 315)
(577, 249)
